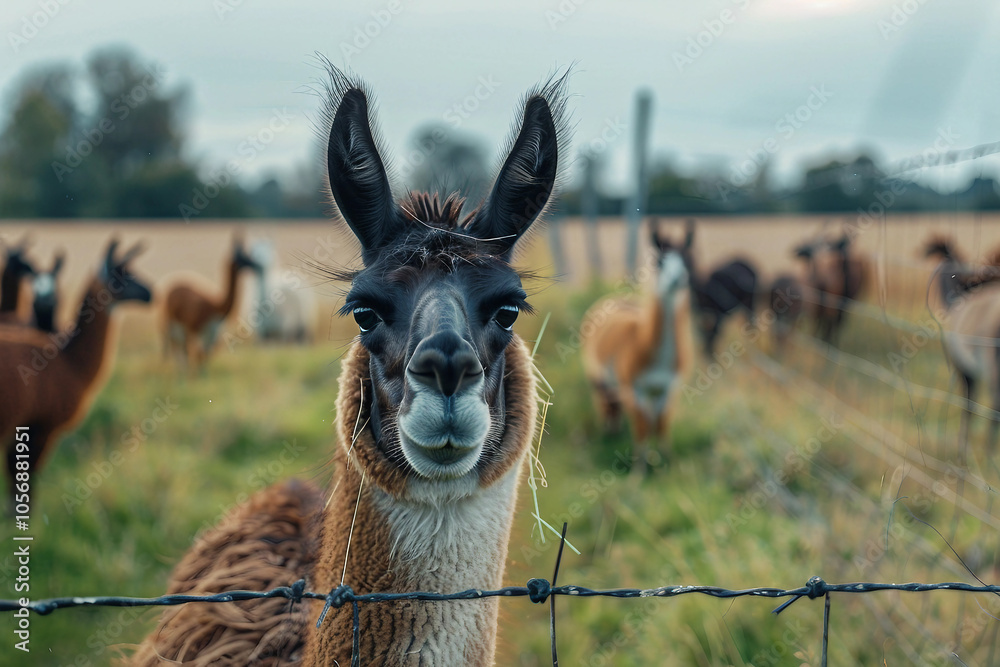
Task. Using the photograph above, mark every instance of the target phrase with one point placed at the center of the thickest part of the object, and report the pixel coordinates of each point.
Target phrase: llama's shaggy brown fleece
(369, 565)
(278, 538)
(267, 543)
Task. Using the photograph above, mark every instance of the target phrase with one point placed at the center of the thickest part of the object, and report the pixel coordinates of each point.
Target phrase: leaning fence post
(636, 204)
(589, 209)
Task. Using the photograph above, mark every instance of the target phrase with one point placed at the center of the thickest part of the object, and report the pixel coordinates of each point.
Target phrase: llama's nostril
(444, 364)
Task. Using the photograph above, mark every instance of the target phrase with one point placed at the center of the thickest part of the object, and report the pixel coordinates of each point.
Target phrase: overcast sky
(889, 74)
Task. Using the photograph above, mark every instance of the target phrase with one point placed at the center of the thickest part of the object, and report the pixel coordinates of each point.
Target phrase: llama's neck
(423, 536)
(10, 291)
(400, 546)
(232, 282)
(86, 349)
(662, 325)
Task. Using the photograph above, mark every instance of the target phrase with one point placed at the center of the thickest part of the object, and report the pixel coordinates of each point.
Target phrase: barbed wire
(537, 590)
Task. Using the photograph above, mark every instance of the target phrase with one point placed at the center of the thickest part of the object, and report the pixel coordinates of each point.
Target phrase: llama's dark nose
(445, 362)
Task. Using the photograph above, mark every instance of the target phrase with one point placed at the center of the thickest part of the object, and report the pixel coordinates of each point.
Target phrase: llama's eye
(506, 316)
(366, 318)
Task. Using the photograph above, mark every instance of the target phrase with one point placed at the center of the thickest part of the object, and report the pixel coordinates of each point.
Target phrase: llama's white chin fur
(440, 463)
(442, 438)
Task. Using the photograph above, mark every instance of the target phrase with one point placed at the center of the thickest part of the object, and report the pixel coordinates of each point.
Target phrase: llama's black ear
(688, 233)
(109, 257)
(131, 253)
(654, 234)
(526, 179)
(358, 179)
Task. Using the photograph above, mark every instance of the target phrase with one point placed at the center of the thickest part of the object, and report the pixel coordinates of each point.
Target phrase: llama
(786, 301)
(634, 356)
(971, 323)
(192, 320)
(435, 416)
(835, 277)
(51, 392)
(729, 287)
(285, 312)
(16, 270)
(46, 302)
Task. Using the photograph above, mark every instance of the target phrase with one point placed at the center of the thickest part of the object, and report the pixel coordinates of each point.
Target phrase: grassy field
(779, 471)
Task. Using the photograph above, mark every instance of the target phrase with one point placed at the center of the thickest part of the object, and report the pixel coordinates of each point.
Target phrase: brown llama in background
(50, 394)
(17, 269)
(635, 355)
(192, 320)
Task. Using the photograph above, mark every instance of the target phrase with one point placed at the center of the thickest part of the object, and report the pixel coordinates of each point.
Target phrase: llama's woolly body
(405, 536)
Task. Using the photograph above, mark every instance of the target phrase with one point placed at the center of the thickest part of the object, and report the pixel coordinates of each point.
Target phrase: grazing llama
(48, 382)
(970, 300)
(192, 320)
(729, 287)
(46, 302)
(786, 301)
(15, 271)
(635, 355)
(435, 417)
(285, 311)
(835, 277)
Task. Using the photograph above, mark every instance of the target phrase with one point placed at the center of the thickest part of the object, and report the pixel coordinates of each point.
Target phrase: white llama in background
(285, 310)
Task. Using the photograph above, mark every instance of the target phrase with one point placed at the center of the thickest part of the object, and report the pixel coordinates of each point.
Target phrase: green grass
(113, 512)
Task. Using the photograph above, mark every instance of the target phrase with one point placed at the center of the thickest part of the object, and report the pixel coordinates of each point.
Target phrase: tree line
(109, 142)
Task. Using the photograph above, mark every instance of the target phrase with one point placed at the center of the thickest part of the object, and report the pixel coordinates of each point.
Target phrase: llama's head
(45, 286)
(672, 260)
(805, 251)
(263, 254)
(17, 265)
(940, 248)
(437, 297)
(116, 282)
(841, 245)
(240, 258)
(951, 274)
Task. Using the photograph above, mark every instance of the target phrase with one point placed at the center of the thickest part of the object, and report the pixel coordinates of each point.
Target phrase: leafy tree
(39, 125)
(445, 162)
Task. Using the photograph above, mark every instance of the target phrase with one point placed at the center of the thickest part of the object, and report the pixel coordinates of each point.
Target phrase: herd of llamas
(436, 408)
